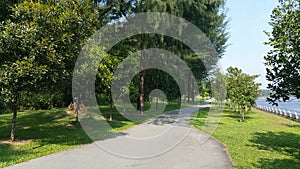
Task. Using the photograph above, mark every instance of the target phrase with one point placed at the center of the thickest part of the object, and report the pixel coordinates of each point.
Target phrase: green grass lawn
(263, 141)
(43, 132)
(38, 133)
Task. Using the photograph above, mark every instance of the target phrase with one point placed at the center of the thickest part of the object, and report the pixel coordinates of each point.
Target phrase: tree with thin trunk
(242, 90)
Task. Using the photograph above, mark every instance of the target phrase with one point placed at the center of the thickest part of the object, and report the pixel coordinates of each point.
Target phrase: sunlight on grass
(42, 132)
(262, 141)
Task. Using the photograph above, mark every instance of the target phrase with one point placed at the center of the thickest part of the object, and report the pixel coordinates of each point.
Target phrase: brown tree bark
(110, 109)
(179, 99)
(140, 105)
(193, 91)
(77, 107)
(140, 101)
(189, 87)
(14, 121)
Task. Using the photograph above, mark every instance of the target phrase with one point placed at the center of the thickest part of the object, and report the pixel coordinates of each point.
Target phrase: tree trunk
(179, 99)
(140, 104)
(110, 107)
(242, 117)
(192, 92)
(202, 91)
(189, 87)
(241, 113)
(140, 101)
(77, 107)
(13, 124)
(76, 111)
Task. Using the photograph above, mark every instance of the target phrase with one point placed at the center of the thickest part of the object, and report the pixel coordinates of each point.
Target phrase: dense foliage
(283, 60)
(242, 91)
(40, 41)
(39, 45)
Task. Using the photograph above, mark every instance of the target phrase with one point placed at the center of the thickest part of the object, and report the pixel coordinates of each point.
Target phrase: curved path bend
(187, 154)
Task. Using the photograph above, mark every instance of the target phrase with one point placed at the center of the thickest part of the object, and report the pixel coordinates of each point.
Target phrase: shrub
(41, 101)
(102, 99)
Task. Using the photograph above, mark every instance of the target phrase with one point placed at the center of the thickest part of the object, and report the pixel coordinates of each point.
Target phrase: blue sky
(248, 19)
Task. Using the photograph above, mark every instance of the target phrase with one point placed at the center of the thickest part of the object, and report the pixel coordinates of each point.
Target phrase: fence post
(288, 112)
(282, 112)
(296, 115)
(279, 111)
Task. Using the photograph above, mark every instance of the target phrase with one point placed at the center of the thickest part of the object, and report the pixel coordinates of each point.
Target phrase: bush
(41, 101)
(102, 99)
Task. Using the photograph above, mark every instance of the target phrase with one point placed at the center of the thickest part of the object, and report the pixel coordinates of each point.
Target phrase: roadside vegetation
(40, 42)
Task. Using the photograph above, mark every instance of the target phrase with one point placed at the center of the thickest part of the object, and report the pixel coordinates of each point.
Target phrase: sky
(247, 21)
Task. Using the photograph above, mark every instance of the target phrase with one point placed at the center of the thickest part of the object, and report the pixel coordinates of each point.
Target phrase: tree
(204, 88)
(208, 16)
(242, 91)
(41, 39)
(19, 76)
(39, 45)
(104, 77)
(283, 60)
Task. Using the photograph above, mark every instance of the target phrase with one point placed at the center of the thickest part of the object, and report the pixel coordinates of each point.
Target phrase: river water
(292, 104)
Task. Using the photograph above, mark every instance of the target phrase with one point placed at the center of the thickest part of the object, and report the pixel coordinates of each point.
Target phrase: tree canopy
(283, 60)
(39, 45)
(242, 91)
(41, 39)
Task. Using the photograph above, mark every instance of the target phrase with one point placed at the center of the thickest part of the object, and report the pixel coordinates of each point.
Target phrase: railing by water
(294, 115)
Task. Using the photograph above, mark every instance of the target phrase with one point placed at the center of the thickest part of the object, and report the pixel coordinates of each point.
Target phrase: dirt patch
(70, 126)
(17, 142)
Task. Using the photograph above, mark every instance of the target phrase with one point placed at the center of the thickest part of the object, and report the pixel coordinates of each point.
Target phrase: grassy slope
(263, 141)
(50, 131)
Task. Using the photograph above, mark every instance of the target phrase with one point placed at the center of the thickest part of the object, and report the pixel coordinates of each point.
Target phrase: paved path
(147, 149)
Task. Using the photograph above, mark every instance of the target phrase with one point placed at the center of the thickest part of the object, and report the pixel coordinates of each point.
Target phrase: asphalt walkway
(165, 142)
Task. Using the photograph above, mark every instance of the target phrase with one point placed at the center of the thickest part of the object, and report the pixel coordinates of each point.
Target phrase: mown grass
(44, 132)
(263, 141)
